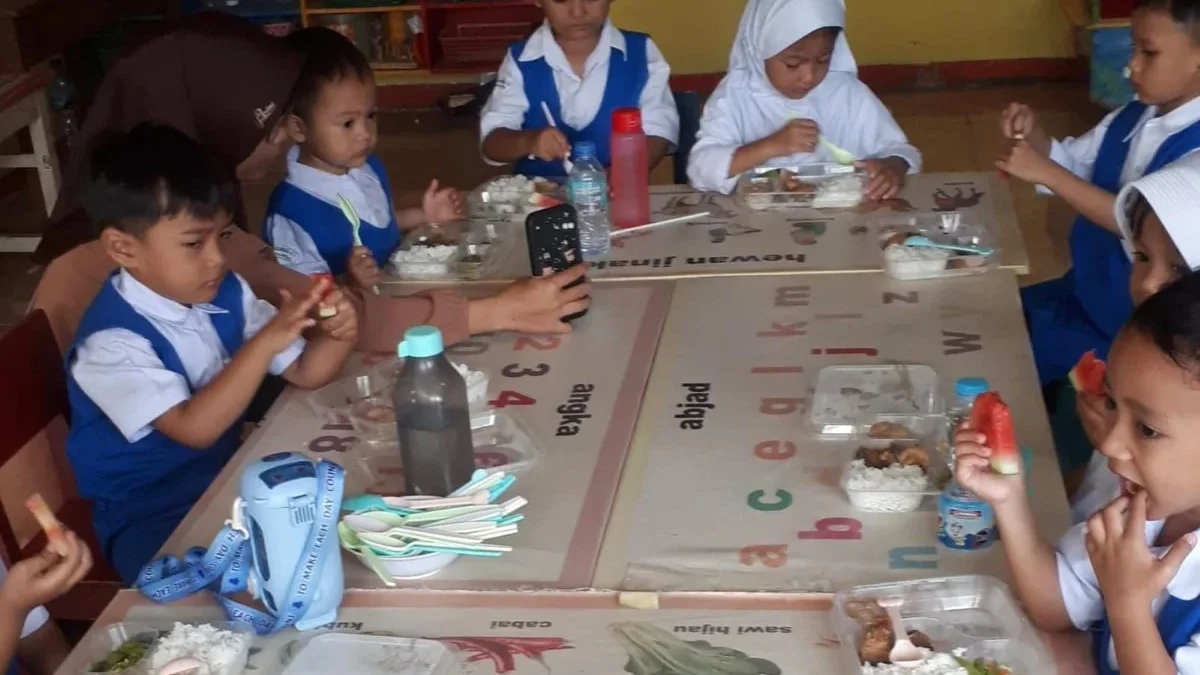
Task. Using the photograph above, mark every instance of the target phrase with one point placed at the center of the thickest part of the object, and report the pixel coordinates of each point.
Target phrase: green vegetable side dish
(124, 657)
(654, 651)
(983, 667)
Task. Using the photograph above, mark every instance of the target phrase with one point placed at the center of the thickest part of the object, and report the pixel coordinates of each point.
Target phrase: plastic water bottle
(587, 188)
(630, 170)
(433, 419)
(966, 390)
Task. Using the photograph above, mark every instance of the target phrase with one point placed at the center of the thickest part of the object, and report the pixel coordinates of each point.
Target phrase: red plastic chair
(33, 400)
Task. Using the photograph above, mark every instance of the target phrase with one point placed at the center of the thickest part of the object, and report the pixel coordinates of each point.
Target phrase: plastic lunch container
(422, 262)
(911, 263)
(371, 655)
(847, 397)
(512, 198)
(810, 186)
(100, 645)
(924, 432)
(974, 613)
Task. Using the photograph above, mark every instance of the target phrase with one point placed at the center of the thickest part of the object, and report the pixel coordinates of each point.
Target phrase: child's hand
(361, 269)
(1093, 416)
(46, 576)
(972, 470)
(551, 144)
(442, 205)
(1018, 122)
(1025, 162)
(1130, 575)
(294, 317)
(795, 137)
(885, 177)
(342, 326)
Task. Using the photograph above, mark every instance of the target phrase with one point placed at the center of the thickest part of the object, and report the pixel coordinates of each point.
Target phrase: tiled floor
(956, 131)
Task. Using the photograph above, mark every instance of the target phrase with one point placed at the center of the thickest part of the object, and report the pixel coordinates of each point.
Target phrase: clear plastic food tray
(441, 262)
(371, 655)
(881, 499)
(911, 263)
(847, 397)
(113, 636)
(974, 613)
(512, 198)
(811, 186)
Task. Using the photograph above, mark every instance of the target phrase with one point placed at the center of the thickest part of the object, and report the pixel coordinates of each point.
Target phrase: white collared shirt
(580, 97)
(295, 248)
(33, 620)
(1085, 605)
(849, 114)
(122, 374)
(1099, 487)
(1078, 155)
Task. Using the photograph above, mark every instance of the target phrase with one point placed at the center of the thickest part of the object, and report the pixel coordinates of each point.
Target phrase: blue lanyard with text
(223, 569)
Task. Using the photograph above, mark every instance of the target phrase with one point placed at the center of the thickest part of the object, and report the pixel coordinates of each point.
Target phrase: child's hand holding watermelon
(987, 457)
(1087, 378)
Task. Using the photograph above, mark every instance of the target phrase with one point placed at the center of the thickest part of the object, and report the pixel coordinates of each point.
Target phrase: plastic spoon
(904, 653)
(352, 543)
(566, 160)
(355, 226)
(843, 157)
(924, 242)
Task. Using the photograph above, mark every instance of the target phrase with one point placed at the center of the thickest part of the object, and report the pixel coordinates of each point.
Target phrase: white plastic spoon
(904, 653)
(843, 157)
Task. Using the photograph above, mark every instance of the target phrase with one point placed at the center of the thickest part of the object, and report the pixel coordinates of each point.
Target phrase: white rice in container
(895, 489)
(223, 652)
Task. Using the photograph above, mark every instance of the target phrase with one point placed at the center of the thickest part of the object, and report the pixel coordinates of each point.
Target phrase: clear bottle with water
(966, 390)
(587, 189)
(433, 418)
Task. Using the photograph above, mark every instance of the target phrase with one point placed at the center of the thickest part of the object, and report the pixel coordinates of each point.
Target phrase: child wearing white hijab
(1159, 219)
(791, 81)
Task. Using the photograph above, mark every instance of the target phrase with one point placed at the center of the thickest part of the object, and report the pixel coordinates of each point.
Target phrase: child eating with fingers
(334, 213)
(1129, 573)
(1084, 309)
(172, 350)
(579, 68)
(791, 91)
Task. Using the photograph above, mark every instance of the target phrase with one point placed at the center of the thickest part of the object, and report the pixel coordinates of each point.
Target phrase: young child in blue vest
(1129, 573)
(1084, 309)
(332, 120)
(27, 635)
(581, 68)
(174, 347)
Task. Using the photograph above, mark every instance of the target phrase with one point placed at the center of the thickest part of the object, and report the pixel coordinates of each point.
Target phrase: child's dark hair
(1171, 319)
(1184, 12)
(328, 57)
(155, 172)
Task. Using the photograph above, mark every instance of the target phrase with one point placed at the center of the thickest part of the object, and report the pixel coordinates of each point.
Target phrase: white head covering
(770, 26)
(1174, 194)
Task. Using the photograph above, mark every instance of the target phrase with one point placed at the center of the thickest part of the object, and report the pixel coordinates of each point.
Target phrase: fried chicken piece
(889, 431)
(876, 643)
(914, 456)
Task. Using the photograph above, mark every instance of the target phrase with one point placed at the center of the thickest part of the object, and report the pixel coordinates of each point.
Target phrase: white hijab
(1174, 194)
(770, 26)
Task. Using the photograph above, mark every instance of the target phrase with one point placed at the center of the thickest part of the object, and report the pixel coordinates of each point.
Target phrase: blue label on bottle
(965, 522)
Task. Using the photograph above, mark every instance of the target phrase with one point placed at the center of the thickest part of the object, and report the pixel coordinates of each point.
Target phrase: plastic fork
(355, 226)
(925, 242)
(843, 157)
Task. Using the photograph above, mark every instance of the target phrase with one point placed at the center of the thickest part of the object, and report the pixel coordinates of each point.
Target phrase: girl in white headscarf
(1159, 219)
(792, 80)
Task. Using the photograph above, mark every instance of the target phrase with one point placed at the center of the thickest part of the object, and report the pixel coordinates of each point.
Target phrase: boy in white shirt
(582, 68)
(174, 347)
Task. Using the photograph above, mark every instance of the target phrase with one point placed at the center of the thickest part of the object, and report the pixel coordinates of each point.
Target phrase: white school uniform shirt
(294, 248)
(33, 620)
(746, 107)
(1085, 606)
(1099, 487)
(580, 96)
(122, 374)
(1078, 155)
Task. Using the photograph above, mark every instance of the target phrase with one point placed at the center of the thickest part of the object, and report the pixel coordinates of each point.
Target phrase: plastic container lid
(626, 121)
(970, 387)
(370, 655)
(585, 150)
(421, 342)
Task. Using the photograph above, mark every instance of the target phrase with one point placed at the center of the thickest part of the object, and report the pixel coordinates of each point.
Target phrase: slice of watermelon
(991, 416)
(1088, 375)
(325, 312)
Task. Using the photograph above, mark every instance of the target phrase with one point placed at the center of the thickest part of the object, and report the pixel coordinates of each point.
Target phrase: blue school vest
(128, 482)
(1100, 267)
(328, 226)
(628, 73)
(1177, 623)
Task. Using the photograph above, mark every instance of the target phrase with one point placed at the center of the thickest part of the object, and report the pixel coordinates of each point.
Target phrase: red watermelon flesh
(1088, 375)
(991, 416)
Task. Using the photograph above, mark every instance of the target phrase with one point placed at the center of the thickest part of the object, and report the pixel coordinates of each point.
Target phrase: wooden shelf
(382, 9)
(479, 4)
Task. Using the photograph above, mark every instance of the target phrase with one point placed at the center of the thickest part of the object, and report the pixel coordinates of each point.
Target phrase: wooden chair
(33, 400)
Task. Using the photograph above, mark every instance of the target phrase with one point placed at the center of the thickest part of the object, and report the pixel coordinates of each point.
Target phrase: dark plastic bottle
(433, 420)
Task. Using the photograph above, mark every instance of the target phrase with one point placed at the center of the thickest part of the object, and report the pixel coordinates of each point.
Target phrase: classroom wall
(696, 35)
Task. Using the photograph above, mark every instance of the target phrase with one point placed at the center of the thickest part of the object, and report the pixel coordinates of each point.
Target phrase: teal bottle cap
(421, 342)
(970, 387)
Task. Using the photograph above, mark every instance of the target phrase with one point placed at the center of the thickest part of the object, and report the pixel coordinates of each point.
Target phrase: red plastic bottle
(630, 173)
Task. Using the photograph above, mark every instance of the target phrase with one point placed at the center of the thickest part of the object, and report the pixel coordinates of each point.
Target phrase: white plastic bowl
(413, 567)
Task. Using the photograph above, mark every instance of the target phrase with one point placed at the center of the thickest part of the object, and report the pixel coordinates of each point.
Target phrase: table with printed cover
(590, 633)
(736, 241)
(726, 487)
(582, 414)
